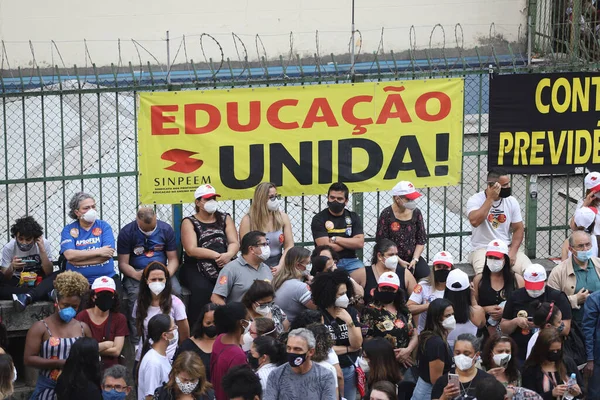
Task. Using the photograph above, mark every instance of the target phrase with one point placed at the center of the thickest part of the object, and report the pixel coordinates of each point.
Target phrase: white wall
(68, 22)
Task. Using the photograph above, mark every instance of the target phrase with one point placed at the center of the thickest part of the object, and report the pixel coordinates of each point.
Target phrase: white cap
(406, 189)
(592, 181)
(104, 283)
(389, 279)
(457, 280)
(535, 276)
(443, 257)
(497, 248)
(205, 191)
(585, 216)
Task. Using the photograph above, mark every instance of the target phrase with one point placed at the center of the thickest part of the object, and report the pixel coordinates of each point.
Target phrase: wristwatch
(351, 324)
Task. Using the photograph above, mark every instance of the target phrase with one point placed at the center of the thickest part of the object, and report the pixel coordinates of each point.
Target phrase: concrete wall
(68, 22)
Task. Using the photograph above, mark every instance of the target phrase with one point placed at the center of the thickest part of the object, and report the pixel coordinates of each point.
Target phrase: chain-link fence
(67, 130)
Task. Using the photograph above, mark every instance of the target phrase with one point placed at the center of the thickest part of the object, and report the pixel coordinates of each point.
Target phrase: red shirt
(222, 358)
(118, 327)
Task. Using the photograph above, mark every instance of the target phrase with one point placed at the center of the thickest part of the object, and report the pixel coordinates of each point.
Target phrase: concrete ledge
(17, 323)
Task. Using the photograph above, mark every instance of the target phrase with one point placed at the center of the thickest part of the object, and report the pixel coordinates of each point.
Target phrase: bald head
(146, 218)
(580, 240)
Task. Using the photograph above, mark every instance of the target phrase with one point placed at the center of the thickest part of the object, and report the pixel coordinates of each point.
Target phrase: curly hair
(75, 201)
(71, 283)
(325, 286)
(27, 227)
(323, 339)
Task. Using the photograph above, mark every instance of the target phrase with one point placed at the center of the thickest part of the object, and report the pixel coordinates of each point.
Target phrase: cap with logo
(497, 248)
(592, 181)
(389, 279)
(585, 216)
(406, 189)
(205, 191)
(104, 283)
(443, 257)
(457, 280)
(535, 276)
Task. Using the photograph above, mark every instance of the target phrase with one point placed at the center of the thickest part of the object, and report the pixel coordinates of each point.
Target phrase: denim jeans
(349, 382)
(422, 390)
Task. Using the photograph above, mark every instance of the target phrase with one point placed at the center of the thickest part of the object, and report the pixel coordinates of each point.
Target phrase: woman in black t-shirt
(331, 292)
(433, 356)
(466, 352)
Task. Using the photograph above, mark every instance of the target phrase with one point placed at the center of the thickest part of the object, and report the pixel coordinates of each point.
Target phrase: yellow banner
(301, 138)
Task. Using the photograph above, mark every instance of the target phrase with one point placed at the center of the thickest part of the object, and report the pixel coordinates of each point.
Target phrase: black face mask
(336, 207)
(104, 301)
(252, 361)
(385, 297)
(441, 275)
(554, 355)
(210, 331)
(505, 192)
(296, 360)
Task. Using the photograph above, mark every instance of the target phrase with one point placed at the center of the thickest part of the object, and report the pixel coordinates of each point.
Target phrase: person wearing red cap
(402, 223)
(584, 219)
(591, 199)
(496, 214)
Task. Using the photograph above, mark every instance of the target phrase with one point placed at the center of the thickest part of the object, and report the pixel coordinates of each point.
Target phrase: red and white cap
(457, 280)
(443, 257)
(406, 189)
(104, 283)
(497, 248)
(585, 216)
(592, 181)
(205, 191)
(535, 277)
(389, 279)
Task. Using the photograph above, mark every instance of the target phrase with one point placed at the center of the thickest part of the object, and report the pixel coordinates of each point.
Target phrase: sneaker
(20, 301)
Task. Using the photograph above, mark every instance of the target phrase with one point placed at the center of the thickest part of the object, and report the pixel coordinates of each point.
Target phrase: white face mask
(449, 323)
(175, 339)
(263, 310)
(364, 365)
(156, 287)
(148, 234)
(410, 205)
(248, 340)
(495, 265)
(500, 359)
(186, 387)
(535, 293)
(391, 262)
(342, 301)
(273, 204)
(265, 253)
(463, 362)
(211, 206)
(90, 216)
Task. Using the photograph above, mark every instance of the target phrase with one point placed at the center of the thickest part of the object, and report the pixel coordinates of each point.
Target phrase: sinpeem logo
(182, 159)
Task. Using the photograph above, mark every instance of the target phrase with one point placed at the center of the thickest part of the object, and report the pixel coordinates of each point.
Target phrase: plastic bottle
(572, 381)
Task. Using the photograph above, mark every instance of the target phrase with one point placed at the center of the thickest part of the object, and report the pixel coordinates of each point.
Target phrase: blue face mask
(113, 395)
(67, 314)
(584, 255)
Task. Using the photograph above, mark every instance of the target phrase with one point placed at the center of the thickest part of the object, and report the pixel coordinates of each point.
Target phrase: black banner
(544, 123)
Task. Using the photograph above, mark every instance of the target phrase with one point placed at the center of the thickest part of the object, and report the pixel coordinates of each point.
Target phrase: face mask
(554, 355)
(90, 216)
(335, 206)
(186, 387)
(441, 275)
(211, 206)
(156, 287)
(296, 360)
(364, 365)
(505, 192)
(535, 293)
(25, 247)
(391, 262)
(248, 340)
(584, 255)
(273, 205)
(265, 253)
(210, 331)
(247, 328)
(66, 314)
(385, 297)
(148, 234)
(342, 301)
(410, 205)
(174, 339)
(463, 362)
(263, 310)
(114, 395)
(501, 359)
(561, 327)
(104, 301)
(252, 361)
(495, 265)
(449, 323)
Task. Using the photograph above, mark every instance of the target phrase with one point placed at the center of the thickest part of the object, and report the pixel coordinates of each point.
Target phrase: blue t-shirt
(74, 237)
(144, 249)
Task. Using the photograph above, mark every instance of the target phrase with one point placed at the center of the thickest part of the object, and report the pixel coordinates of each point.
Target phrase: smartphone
(29, 261)
(530, 319)
(453, 379)
(504, 362)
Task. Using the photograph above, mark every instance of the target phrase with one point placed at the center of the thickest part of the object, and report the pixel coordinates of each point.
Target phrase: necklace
(499, 204)
(465, 392)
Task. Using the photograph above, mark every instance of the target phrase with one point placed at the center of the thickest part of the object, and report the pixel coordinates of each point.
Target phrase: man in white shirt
(495, 214)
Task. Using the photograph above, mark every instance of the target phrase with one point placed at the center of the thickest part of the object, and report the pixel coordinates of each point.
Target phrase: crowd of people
(266, 319)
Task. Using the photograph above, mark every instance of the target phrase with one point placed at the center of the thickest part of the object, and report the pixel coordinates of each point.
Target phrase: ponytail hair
(157, 325)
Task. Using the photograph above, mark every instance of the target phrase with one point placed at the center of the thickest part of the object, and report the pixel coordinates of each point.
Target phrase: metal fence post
(575, 30)
(531, 216)
(357, 207)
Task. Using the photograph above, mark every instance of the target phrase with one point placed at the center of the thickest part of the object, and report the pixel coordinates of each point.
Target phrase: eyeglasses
(269, 304)
(173, 329)
(118, 388)
(264, 244)
(583, 246)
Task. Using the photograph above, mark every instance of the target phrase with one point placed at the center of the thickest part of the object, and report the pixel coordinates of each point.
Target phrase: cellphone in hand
(453, 379)
(29, 261)
(504, 362)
